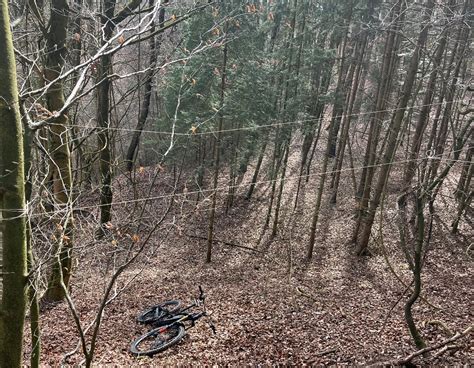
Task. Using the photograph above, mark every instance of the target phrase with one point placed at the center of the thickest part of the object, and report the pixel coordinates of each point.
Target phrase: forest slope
(269, 305)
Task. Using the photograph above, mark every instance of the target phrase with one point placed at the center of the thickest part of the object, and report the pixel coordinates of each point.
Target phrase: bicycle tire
(158, 311)
(157, 340)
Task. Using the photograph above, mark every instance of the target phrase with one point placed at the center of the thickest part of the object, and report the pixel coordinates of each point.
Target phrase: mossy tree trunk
(12, 202)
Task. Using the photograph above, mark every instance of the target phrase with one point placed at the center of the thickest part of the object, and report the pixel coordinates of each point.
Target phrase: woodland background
(309, 163)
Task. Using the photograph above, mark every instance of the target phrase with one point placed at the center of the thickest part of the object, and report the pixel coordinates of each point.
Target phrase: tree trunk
(416, 145)
(363, 239)
(257, 170)
(420, 344)
(32, 282)
(340, 93)
(319, 195)
(360, 53)
(383, 92)
(103, 122)
(280, 191)
(148, 85)
(108, 22)
(346, 122)
(12, 202)
(59, 148)
(217, 149)
(440, 141)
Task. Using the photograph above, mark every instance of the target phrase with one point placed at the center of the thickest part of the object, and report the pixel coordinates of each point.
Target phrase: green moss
(13, 303)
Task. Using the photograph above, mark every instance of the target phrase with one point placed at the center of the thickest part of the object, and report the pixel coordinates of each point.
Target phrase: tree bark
(217, 148)
(12, 202)
(420, 344)
(386, 162)
(257, 170)
(383, 92)
(148, 85)
(103, 121)
(59, 148)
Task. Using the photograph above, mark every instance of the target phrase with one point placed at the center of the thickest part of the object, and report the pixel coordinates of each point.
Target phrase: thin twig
(441, 344)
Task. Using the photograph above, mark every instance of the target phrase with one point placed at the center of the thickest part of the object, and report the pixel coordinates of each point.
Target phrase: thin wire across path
(24, 212)
(256, 127)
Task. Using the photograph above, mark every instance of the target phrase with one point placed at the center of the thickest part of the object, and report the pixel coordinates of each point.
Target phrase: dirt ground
(269, 306)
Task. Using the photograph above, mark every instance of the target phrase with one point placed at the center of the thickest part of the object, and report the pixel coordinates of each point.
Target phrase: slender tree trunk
(416, 145)
(280, 191)
(275, 169)
(319, 195)
(395, 126)
(148, 85)
(420, 344)
(321, 78)
(234, 146)
(340, 94)
(360, 53)
(257, 170)
(440, 141)
(12, 203)
(365, 184)
(322, 181)
(103, 116)
(346, 124)
(34, 310)
(32, 282)
(217, 149)
(59, 148)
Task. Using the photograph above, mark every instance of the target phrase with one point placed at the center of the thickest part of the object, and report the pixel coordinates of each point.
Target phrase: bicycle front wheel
(157, 340)
(158, 311)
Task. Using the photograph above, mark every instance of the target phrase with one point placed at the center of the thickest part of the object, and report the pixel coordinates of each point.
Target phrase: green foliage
(192, 94)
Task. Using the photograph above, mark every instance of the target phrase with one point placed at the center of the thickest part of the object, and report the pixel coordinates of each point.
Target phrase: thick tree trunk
(12, 203)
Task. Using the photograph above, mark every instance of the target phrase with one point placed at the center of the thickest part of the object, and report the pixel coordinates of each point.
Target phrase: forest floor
(269, 306)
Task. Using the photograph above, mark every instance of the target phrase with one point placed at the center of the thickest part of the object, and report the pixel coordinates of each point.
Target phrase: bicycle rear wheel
(158, 311)
(157, 340)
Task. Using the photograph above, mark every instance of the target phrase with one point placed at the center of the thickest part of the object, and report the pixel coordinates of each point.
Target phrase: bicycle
(169, 323)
